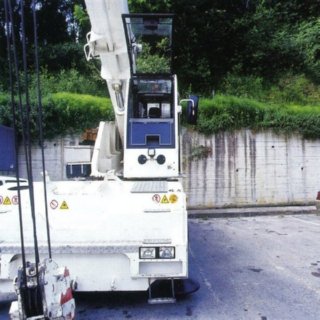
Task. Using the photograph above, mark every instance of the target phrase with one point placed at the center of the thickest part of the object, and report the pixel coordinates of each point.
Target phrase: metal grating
(150, 187)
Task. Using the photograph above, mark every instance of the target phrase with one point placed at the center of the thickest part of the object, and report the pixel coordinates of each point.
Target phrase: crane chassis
(126, 226)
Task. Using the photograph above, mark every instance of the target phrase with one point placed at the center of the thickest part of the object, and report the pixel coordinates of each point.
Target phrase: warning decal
(54, 204)
(64, 205)
(156, 198)
(164, 199)
(7, 201)
(173, 198)
(15, 200)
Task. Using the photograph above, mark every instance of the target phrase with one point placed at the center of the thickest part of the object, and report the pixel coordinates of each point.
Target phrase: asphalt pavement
(263, 267)
(257, 268)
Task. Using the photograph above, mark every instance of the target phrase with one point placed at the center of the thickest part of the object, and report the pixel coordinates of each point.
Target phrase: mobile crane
(126, 226)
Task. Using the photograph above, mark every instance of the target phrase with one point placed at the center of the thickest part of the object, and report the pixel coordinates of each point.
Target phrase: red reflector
(66, 297)
(318, 195)
(66, 273)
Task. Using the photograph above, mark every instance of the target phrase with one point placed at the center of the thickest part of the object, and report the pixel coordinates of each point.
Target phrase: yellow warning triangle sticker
(64, 205)
(7, 201)
(164, 199)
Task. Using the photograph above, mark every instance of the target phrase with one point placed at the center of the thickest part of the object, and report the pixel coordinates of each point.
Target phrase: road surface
(263, 268)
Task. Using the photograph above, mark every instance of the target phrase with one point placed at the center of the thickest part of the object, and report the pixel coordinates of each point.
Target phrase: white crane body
(100, 243)
(127, 229)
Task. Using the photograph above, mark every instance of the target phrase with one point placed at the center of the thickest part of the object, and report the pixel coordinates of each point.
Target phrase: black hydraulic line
(38, 292)
(27, 296)
(28, 139)
(17, 76)
(14, 120)
(40, 120)
(33, 297)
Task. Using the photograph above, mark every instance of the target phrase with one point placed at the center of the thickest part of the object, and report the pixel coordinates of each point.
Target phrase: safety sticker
(173, 198)
(164, 199)
(64, 205)
(15, 200)
(54, 204)
(7, 201)
(1, 199)
(156, 198)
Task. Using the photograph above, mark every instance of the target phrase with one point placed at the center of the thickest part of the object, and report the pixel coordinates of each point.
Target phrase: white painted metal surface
(112, 234)
(107, 41)
(107, 154)
(152, 169)
(97, 228)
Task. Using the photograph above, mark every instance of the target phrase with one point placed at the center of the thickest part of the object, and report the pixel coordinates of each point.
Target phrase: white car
(8, 191)
(10, 181)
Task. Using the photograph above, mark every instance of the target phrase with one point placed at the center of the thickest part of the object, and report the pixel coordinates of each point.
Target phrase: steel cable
(14, 120)
(38, 293)
(28, 133)
(40, 120)
(33, 296)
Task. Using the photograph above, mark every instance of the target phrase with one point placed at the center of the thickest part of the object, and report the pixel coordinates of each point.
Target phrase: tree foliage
(213, 39)
(259, 38)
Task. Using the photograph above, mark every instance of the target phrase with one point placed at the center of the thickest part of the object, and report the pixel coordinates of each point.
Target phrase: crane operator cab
(151, 147)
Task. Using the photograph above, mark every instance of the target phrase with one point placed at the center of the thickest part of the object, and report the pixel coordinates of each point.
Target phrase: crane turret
(136, 60)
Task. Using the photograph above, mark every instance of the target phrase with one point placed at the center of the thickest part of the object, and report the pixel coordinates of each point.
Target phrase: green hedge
(228, 112)
(72, 113)
(63, 113)
(69, 112)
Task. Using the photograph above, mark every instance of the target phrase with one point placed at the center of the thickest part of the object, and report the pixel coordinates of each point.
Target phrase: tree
(212, 38)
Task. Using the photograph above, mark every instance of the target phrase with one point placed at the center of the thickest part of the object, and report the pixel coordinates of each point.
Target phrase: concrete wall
(56, 157)
(247, 168)
(243, 168)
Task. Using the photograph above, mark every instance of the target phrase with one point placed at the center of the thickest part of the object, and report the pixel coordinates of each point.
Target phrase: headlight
(147, 253)
(166, 253)
(142, 159)
(161, 159)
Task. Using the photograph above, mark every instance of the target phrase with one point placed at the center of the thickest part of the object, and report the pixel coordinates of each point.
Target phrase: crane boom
(106, 41)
